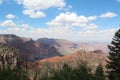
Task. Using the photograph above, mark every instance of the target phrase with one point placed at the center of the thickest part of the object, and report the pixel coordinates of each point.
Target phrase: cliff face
(63, 46)
(28, 48)
(8, 57)
(67, 47)
(92, 58)
(44, 48)
(35, 52)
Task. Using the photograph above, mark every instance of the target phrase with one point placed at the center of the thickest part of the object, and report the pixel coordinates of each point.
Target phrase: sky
(75, 20)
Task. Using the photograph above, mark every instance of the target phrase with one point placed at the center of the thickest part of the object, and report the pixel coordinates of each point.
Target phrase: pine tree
(64, 73)
(99, 73)
(113, 64)
(82, 72)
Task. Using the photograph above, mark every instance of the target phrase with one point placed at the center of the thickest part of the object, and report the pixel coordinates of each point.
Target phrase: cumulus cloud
(19, 1)
(67, 8)
(92, 18)
(42, 4)
(91, 26)
(10, 16)
(8, 23)
(1, 1)
(34, 14)
(64, 33)
(87, 34)
(118, 0)
(71, 20)
(26, 27)
(108, 15)
(67, 25)
(36, 6)
(97, 35)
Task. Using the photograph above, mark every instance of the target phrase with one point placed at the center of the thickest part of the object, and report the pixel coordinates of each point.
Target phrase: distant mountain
(66, 47)
(44, 47)
(29, 49)
(92, 46)
(46, 52)
(93, 58)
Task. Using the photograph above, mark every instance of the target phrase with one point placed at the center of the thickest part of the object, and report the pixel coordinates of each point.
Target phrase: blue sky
(80, 20)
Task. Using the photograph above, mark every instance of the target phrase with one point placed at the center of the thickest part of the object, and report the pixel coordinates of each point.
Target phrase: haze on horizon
(83, 20)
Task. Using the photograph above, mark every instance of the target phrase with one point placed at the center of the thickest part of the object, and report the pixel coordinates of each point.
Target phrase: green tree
(82, 72)
(63, 74)
(14, 74)
(9, 59)
(113, 64)
(59, 74)
(99, 73)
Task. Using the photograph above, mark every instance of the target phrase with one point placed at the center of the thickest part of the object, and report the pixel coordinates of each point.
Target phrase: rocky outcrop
(8, 57)
(44, 47)
(66, 47)
(28, 48)
(93, 58)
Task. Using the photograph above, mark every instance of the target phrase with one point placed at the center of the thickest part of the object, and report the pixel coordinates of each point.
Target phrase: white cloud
(92, 18)
(42, 4)
(96, 35)
(64, 33)
(34, 14)
(10, 16)
(108, 15)
(69, 6)
(1, 1)
(26, 27)
(8, 23)
(37, 6)
(67, 25)
(19, 1)
(71, 20)
(87, 34)
(118, 0)
(91, 26)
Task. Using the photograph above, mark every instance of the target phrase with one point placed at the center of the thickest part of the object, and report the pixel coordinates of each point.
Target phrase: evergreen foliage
(113, 64)
(14, 74)
(81, 72)
(99, 73)
(9, 64)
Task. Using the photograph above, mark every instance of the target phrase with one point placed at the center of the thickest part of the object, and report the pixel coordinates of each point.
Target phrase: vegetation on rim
(10, 70)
